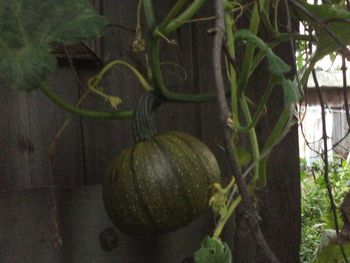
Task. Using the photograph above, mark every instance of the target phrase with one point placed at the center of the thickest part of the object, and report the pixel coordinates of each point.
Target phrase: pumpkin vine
(26, 61)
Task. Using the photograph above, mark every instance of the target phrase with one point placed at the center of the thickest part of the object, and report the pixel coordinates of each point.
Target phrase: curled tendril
(219, 200)
(95, 87)
(183, 71)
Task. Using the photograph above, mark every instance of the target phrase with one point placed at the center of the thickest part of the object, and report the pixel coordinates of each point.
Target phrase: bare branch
(225, 114)
(345, 91)
(325, 160)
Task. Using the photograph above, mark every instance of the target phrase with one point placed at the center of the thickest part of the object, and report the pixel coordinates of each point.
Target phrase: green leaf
(213, 251)
(276, 65)
(243, 156)
(290, 92)
(332, 57)
(323, 17)
(300, 61)
(28, 28)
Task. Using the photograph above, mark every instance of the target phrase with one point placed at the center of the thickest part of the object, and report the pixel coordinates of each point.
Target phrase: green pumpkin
(161, 183)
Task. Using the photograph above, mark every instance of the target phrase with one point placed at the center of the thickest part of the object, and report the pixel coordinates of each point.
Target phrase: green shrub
(315, 205)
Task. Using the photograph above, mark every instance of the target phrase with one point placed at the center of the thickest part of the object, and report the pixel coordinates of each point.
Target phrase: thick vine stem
(160, 85)
(238, 96)
(231, 69)
(224, 115)
(81, 112)
(224, 219)
(149, 14)
(143, 125)
(155, 59)
(172, 14)
(184, 16)
(249, 52)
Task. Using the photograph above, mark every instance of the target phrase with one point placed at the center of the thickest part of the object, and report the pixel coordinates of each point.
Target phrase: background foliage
(316, 212)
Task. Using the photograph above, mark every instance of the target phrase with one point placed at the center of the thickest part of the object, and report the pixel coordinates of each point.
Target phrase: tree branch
(345, 91)
(225, 116)
(325, 160)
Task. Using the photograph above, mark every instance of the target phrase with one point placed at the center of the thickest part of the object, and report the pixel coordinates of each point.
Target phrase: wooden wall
(311, 144)
(340, 135)
(332, 96)
(29, 122)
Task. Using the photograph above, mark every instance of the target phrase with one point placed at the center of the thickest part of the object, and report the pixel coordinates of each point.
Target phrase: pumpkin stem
(143, 125)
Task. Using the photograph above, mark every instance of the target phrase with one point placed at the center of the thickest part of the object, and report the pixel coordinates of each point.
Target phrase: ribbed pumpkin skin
(160, 184)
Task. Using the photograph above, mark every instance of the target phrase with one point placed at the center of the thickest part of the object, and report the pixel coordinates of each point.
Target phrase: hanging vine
(26, 61)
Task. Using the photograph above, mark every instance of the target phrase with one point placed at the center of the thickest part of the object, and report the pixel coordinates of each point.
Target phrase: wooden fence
(29, 123)
(310, 133)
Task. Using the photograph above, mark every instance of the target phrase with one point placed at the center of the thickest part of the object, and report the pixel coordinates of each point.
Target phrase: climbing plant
(29, 28)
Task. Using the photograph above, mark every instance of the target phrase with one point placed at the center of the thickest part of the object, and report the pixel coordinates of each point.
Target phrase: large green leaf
(327, 20)
(29, 27)
(277, 67)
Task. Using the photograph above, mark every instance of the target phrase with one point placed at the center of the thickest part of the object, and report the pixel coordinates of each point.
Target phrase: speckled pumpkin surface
(160, 184)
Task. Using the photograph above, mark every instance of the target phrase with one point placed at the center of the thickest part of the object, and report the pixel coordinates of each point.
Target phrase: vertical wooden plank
(345, 128)
(340, 129)
(27, 232)
(337, 131)
(68, 167)
(175, 116)
(279, 201)
(27, 127)
(210, 127)
(104, 139)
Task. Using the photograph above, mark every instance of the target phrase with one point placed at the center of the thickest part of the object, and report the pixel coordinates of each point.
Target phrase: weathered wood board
(27, 231)
(29, 122)
(28, 125)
